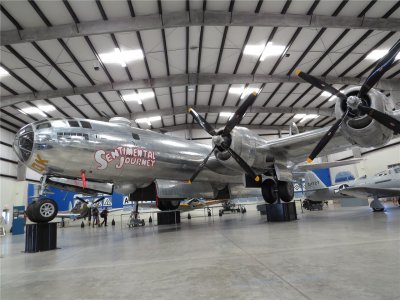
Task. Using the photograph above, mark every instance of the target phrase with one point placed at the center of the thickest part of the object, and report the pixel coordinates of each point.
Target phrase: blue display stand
(18, 222)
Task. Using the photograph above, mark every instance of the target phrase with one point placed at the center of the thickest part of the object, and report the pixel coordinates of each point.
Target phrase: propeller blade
(238, 115)
(83, 200)
(381, 68)
(202, 122)
(326, 138)
(318, 83)
(382, 118)
(249, 171)
(98, 200)
(201, 166)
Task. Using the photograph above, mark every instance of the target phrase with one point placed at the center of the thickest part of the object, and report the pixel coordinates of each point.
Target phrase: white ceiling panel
(145, 7)
(55, 11)
(23, 12)
(272, 6)
(245, 6)
(86, 10)
(116, 9)
(218, 5)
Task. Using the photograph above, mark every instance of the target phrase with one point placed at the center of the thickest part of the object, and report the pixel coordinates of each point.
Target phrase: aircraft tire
(286, 190)
(164, 205)
(29, 212)
(44, 210)
(268, 190)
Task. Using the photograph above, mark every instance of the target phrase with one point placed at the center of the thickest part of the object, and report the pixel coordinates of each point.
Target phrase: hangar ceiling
(150, 60)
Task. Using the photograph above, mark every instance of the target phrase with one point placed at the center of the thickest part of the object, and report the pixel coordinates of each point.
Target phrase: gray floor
(341, 253)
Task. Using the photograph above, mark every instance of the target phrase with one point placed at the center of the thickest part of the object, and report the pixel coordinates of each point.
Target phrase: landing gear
(42, 211)
(269, 191)
(164, 204)
(272, 190)
(376, 205)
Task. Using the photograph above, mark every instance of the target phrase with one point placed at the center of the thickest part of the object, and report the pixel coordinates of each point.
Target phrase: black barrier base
(168, 217)
(40, 237)
(279, 212)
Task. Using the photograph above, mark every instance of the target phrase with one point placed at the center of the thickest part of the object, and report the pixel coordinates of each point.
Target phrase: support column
(21, 172)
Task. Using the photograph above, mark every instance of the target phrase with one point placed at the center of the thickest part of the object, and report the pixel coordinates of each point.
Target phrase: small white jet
(382, 185)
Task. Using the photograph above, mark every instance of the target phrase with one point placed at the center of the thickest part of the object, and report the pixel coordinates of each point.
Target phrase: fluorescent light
(272, 50)
(33, 111)
(121, 57)
(254, 50)
(148, 120)
(46, 108)
(304, 117)
(156, 118)
(236, 90)
(248, 91)
(378, 54)
(242, 91)
(138, 96)
(326, 94)
(3, 72)
(226, 114)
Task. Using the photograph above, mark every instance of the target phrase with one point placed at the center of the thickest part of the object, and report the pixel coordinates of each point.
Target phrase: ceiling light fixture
(3, 72)
(148, 120)
(226, 114)
(32, 111)
(243, 92)
(138, 97)
(378, 54)
(121, 57)
(326, 94)
(254, 50)
(305, 117)
(272, 50)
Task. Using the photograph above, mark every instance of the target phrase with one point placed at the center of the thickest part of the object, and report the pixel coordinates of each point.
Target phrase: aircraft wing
(362, 192)
(297, 147)
(67, 214)
(332, 164)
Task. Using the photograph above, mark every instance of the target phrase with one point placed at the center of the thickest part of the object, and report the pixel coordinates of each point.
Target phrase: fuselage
(111, 152)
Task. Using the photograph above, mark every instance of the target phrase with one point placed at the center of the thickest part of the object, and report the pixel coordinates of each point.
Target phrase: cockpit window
(86, 124)
(43, 125)
(135, 136)
(73, 123)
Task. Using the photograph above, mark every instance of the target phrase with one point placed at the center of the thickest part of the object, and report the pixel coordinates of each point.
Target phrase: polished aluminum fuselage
(121, 154)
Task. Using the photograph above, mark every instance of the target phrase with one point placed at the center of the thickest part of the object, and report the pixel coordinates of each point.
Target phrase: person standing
(95, 214)
(104, 215)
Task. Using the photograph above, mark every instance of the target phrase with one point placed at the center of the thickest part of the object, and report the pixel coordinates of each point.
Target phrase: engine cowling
(360, 129)
(247, 145)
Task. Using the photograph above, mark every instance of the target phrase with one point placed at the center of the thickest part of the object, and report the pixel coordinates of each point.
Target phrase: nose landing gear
(42, 211)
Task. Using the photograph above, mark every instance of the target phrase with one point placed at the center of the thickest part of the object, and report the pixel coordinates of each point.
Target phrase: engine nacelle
(360, 129)
(248, 146)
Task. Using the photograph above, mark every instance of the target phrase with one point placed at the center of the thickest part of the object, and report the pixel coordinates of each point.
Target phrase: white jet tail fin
(312, 182)
(293, 129)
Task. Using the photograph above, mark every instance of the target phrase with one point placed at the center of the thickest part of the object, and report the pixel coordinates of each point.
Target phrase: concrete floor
(340, 253)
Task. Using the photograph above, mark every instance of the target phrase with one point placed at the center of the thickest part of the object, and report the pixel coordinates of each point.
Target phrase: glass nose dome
(23, 143)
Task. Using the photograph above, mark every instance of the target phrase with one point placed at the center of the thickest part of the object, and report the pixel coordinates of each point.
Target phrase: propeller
(356, 103)
(223, 139)
(87, 202)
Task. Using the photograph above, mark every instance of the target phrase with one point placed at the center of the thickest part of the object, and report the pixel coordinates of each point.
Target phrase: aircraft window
(79, 134)
(397, 170)
(86, 136)
(135, 136)
(59, 134)
(73, 123)
(86, 124)
(43, 125)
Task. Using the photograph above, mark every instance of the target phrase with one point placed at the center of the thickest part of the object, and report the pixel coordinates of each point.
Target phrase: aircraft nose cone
(23, 143)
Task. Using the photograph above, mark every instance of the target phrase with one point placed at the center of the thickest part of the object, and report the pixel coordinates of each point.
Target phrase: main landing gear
(164, 204)
(273, 190)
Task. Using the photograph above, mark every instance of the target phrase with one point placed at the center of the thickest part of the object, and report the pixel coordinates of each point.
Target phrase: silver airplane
(382, 185)
(90, 156)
